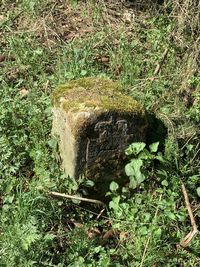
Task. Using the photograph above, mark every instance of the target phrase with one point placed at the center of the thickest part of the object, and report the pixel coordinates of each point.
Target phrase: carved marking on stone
(110, 142)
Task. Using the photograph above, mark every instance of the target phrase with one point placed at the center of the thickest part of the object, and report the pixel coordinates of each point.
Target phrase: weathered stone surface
(95, 121)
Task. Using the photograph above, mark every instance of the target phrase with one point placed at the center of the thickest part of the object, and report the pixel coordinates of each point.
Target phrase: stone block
(95, 121)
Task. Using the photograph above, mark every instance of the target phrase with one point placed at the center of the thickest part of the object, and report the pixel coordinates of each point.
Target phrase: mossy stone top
(97, 94)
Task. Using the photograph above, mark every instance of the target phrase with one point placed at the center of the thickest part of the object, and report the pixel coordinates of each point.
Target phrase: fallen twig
(100, 213)
(94, 201)
(189, 237)
(160, 63)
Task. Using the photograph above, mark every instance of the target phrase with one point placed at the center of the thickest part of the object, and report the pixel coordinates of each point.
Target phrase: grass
(44, 44)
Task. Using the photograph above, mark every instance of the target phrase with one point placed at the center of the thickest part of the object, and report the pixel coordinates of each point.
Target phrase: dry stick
(197, 207)
(100, 213)
(188, 238)
(94, 201)
(195, 155)
(159, 64)
(189, 139)
(149, 238)
(145, 250)
(46, 33)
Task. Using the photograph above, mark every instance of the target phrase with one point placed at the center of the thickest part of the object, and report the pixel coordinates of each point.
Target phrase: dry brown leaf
(93, 232)
(76, 224)
(2, 58)
(110, 233)
(128, 17)
(123, 235)
(118, 69)
(24, 92)
(105, 59)
(5, 57)
(1, 17)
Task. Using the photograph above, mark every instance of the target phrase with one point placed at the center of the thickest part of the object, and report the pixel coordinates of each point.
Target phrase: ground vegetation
(152, 49)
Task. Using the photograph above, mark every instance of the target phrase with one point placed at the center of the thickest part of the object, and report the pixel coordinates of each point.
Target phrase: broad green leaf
(181, 217)
(170, 215)
(133, 168)
(162, 174)
(133, 182)
(154, 147)
(89, 183)
(53, 143)
(198, 191)
(135, 148)
(157, 232)
(129, 169)
(189, 147)
(114, 204)
(137, 164)
(116, 200)
(83, 72)
(133, 171)
(138, 200)
(160, 158)
(143, 230)
(147, 216)
(165, 183)
(9, 199)
(145, 154)
(194, 178)
(140, 178)
(113, 186)
(108, 194)
(69, 75)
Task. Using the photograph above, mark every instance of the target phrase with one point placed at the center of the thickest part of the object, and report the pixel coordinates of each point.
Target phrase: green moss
(94, 92)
